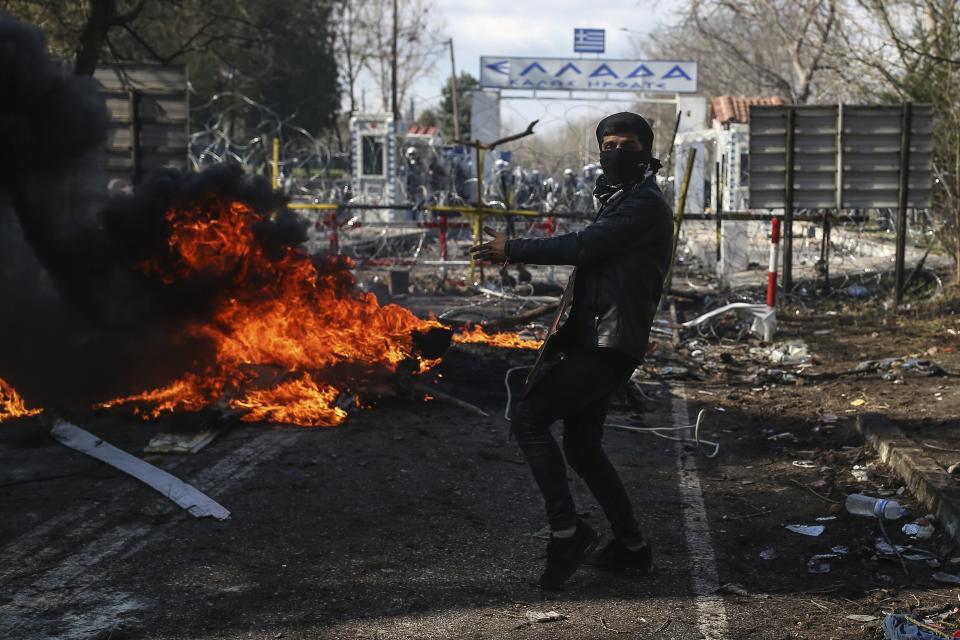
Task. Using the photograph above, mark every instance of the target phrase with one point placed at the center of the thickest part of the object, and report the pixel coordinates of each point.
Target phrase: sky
(536, 28)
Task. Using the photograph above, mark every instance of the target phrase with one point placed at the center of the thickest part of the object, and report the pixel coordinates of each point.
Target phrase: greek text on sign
(577, 74)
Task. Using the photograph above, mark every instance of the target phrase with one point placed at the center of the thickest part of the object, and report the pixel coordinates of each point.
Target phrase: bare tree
(756, 46)
(418, 43)
(352, 50)
(910, 50)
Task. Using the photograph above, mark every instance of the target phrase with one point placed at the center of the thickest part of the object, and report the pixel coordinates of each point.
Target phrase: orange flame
(476, 335)
(12, 405)
(280, 315)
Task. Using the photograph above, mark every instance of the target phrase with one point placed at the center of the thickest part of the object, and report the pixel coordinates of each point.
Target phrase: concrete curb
(926, 479)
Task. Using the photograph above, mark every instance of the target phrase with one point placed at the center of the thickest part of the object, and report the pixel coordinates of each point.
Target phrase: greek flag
(589, 40)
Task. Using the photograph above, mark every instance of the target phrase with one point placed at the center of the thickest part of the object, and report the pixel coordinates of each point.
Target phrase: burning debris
(12, 405)
(474, 334)
(288, 333)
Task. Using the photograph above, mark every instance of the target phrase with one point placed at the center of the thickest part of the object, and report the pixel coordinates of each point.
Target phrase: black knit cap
(626, 122)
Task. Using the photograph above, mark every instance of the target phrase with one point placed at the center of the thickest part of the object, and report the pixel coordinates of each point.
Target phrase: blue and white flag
(589, 40)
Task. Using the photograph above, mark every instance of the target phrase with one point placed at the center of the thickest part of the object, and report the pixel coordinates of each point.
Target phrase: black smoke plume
(80, 320)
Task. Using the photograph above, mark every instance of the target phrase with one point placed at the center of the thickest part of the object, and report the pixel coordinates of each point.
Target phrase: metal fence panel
(863, 158)
(871, 156)
(160, 124)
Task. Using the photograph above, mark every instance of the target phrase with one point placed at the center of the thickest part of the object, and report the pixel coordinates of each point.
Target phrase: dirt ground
(416, 519)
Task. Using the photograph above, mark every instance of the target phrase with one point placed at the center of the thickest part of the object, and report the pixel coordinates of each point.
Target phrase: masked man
(597, 340)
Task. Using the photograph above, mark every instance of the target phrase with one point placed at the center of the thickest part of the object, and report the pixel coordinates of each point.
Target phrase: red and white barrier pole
(774, 259)
(443, 249)
(334, 236)
(443, 237)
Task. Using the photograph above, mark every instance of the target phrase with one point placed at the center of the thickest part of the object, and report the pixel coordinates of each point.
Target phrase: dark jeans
(577, 389)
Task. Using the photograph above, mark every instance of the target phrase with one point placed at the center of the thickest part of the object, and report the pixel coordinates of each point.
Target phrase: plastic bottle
(862, 505)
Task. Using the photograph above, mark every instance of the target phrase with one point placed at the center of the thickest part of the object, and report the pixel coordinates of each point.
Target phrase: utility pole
(393, 69)
(456, 94)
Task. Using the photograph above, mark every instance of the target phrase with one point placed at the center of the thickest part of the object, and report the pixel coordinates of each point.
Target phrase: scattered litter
(859, 402)
(820, 563)
(894, 366)
(826, 518)
(861, 473)
(906, 552)
(775, 376)
(736, 589)
(903, 627)
(790, 353)
(786, 435)
(764, 318)
(769, 554)
(840, 550)
(885, 548)
(196, 503)
(812, 530)
(545, 616)
(861, 505)
(946, 578)
(181, 443)
(674, 372)
(858, 291)
(805, 464)
(920, 529)
(860, 617)
(829, 418)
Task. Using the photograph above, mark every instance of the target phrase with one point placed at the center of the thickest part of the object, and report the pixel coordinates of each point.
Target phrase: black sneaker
(615, 556)
(564, 555)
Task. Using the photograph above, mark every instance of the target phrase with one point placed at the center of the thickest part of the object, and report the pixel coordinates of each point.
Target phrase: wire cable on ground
(657, 431)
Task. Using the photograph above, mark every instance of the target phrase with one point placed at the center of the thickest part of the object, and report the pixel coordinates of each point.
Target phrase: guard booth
(373, 150)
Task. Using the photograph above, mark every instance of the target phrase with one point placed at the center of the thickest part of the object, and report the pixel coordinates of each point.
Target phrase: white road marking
(76, 581)
(711, 611)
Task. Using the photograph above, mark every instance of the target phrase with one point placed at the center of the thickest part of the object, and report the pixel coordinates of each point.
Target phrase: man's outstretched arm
(609, 236)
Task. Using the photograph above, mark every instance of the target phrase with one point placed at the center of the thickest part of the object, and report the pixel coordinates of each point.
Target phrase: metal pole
(681, 209)
(903, 191)
(478, 218)
(456, 94)
(136, 156)
(825, 252)
(718, 205)
(275, 165)
(788, 205)
(393, 68)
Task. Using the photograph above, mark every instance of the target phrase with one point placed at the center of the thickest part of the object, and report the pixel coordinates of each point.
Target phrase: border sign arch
(579, 74)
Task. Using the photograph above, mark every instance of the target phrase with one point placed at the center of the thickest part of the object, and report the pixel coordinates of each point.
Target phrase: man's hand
(493, 251)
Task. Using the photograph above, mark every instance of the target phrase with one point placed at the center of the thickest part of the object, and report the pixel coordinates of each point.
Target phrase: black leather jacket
(621, 261)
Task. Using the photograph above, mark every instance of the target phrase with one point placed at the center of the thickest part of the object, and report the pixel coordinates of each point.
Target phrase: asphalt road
(413, 520)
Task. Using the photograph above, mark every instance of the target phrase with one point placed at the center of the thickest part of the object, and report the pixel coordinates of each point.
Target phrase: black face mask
(626, 165)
